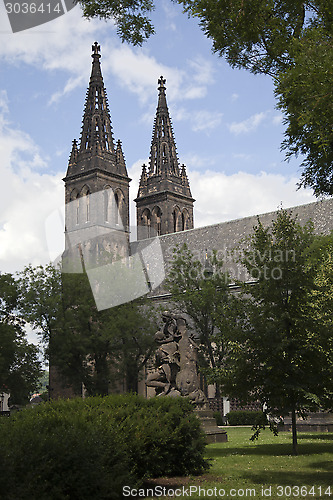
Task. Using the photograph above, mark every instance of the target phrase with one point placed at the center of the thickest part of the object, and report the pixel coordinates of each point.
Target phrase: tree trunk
(294, 431)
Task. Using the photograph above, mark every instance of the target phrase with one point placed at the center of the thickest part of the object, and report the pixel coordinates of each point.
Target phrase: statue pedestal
(213, 433)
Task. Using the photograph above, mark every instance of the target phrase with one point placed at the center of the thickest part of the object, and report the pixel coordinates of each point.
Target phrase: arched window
(177, 220)
(85, 193)
(146, 223)
(185, 220)
(77, 207)
(106, 198)
(157, 220)
(116, 208)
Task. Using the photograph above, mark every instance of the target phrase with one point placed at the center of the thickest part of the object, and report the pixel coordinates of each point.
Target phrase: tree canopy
(99, 349)
(280, 352)
(290, 40)
(200, 289)
(20, 367)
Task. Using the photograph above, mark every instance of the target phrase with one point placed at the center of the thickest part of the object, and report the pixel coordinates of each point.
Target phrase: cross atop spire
(161, 82)
(96, 49)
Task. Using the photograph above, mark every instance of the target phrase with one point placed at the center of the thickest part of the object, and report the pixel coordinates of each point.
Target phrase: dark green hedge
(84, 449)
(246, 417)
(218, 417)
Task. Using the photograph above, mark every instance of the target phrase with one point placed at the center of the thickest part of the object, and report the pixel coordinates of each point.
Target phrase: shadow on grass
(326, 436)
(287, 478)
(271, 450)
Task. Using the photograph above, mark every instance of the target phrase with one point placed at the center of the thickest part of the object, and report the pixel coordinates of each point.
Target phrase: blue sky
(227, 130)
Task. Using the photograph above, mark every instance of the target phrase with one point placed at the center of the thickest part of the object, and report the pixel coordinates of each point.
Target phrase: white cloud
(26, 201)
(203, 70)
(200, 120)
(249, 125)
(65, 46)
(206, 120)
(222, 197)
(277, 119)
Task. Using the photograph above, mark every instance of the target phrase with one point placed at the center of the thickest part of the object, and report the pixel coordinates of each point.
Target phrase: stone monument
(176, 372)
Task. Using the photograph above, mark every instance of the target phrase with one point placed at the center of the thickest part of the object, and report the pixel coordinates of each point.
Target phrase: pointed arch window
(185, 220)
(116, 209)
(85, 192)
(87, 207)
(146, 223)
(77, 209)
(177, 220)
(106, 195)
(157, 221)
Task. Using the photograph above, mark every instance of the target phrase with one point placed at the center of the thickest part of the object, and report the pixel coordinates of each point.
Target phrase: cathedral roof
(229, 238)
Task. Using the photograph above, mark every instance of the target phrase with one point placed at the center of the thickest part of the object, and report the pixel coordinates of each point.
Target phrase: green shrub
(58, 451)
(242, 417)
(169, 439)
(91, 448)
(218, 417)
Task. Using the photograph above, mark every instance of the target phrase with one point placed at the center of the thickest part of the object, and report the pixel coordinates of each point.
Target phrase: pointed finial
(161, 83)
(74, 152)
(95, 49)
(119, 153)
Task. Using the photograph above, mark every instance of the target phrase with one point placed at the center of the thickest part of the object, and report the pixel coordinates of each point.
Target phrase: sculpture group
(176, 361)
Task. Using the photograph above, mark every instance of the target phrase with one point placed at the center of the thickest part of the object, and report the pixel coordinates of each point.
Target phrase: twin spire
(164, 198)
(96, 148)
(163, 160)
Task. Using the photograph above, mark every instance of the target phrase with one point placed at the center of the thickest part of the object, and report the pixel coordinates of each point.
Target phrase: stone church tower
(164, 202)
(96, 183)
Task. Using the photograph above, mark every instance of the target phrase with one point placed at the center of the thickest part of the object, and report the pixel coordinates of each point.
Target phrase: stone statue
(177, 362)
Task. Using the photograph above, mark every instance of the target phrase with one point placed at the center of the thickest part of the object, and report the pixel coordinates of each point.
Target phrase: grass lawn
(263, 469)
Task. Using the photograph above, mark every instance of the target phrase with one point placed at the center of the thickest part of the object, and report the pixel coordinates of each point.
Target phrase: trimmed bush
(242, 417)
(61, 451)
(80, 449)
(218, 417)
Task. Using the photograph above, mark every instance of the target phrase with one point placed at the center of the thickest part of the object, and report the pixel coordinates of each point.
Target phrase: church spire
(163, 155)
(95, 163)
(96, 126)
(96, 148)
(164, 202)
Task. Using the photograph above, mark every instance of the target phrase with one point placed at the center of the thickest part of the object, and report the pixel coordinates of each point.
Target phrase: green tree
(130, 17)
(279, 351)
(99, 349)
(320, 258)
(305, 94)
(290, 40)
(20, 367)
(40, 302)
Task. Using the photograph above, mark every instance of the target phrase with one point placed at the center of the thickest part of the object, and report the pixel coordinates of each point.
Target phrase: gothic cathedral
(164, 202)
